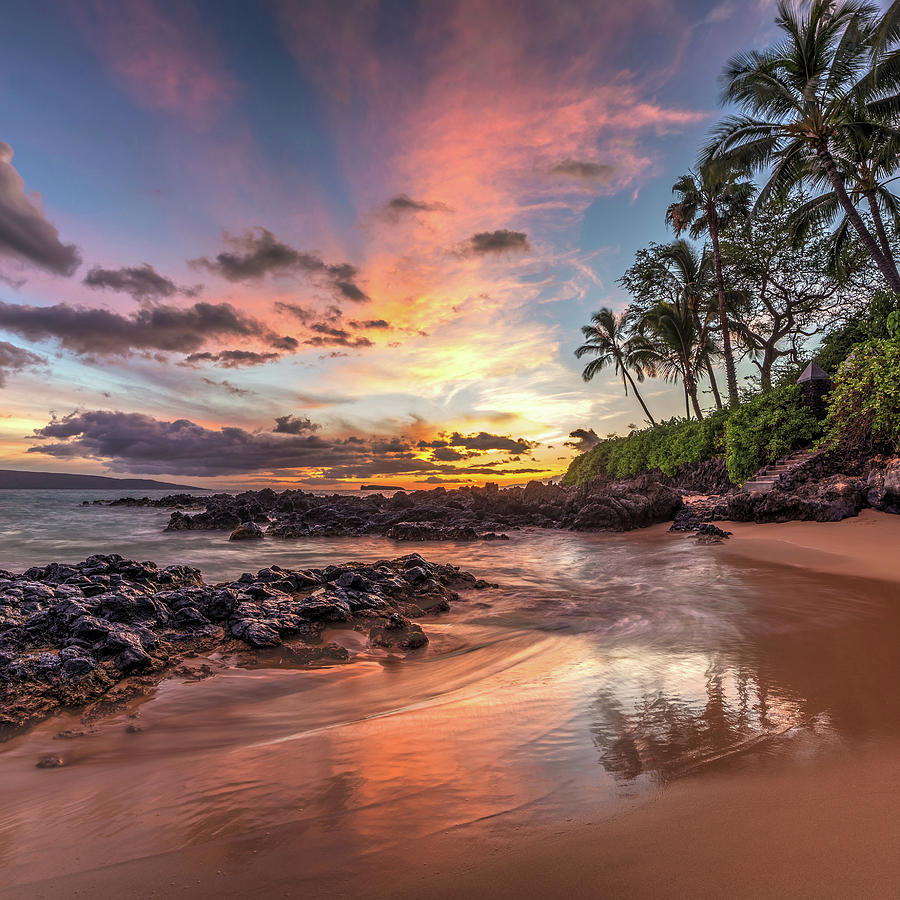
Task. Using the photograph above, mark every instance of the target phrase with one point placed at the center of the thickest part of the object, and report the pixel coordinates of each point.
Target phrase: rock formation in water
(466, 514)
(70, 633)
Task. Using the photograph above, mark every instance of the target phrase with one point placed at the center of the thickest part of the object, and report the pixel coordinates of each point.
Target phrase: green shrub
(864, 405)
(769, 426)
(751, 435)
(666, 446)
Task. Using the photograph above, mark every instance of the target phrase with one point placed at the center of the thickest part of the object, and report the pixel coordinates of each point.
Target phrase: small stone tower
(815, 386)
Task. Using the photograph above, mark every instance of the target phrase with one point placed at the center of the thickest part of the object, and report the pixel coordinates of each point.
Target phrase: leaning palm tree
(669, 339)
(607, 340)
(868, 160)
(691, 274)
(802, 97)
(707, 202)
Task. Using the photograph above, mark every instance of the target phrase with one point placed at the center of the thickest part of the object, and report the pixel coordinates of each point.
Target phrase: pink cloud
(166, 60)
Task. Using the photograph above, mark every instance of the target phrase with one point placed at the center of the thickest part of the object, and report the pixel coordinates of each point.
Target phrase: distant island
(380, 487)
(12, 479)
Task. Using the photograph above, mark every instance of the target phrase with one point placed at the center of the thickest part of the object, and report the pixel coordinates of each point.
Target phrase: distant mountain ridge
(14, 479)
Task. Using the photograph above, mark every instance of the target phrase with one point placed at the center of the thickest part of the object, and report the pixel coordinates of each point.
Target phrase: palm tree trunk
(701, 336)
(691, 387)
(880, 230)
(637, 394)
(687, 402)
(713, 222)
(712, 382)
(830, 169)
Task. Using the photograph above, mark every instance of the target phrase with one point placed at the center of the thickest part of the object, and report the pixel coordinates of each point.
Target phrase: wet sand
(827, 830)
(867, 545)
(668, 719)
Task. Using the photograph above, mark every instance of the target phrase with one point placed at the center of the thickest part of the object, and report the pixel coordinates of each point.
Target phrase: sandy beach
(865, 546)
(780, 778)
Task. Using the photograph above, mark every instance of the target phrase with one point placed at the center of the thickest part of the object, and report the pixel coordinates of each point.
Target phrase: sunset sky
(308, 244)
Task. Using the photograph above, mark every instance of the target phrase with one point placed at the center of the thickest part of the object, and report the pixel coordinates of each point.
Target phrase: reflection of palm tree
(606, 340)
(667, 736)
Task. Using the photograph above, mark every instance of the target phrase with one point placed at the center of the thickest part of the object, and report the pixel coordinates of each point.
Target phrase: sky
(300, 244)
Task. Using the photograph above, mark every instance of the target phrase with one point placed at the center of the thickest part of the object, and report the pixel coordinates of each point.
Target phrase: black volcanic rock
(465, 514)
(70, 633)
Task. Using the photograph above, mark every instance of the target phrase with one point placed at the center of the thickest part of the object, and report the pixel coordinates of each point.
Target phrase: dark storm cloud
(104, 333)
(25, 233)
(501, 241)
(584, 169)
(582, 440)
(16, 359)
(232, 359)
(485, 441)
(294, 425)
(138, 443)
(258, 254)
(142, 282)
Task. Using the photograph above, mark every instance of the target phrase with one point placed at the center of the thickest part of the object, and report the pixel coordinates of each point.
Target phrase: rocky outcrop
(826, 488)
(466, 514)
(829, 500)
(624, 505)
(248, 531)
(69, 633)
(883, 485)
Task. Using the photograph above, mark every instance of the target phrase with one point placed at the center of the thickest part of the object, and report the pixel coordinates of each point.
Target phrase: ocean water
(602, 669)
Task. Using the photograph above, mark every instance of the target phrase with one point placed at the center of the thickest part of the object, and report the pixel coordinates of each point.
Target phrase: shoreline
(719, 831)
(863, 546)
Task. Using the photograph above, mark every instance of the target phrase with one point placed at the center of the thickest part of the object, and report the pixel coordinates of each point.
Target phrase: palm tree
(691, 272)
(804, 96)
(708, 202)
(867, 160)
(670, 341)
(606, 339)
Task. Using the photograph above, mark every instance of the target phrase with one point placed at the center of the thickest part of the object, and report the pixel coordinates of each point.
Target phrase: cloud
(101, 332)
(583, 440)
(166, 57)
(500, 241)
(138, 443)
(258, 254)
(231, 359)
(402, 205)
(16, 359)
(332, 336)
(294, 425)
(584, 169)
(448, 454)
(485, 441)
(25, 233)
(142, 282)
(370, 324)
(228, 386)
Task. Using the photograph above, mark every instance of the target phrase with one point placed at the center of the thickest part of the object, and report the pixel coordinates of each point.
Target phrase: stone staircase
(764, 480)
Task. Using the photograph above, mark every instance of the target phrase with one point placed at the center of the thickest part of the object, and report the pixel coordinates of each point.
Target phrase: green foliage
(667, 446)
(864, 406)
(750, 436)
(882, 320)
(769, 426)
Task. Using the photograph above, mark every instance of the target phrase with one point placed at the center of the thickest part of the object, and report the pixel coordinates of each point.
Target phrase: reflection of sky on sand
(528, 707)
